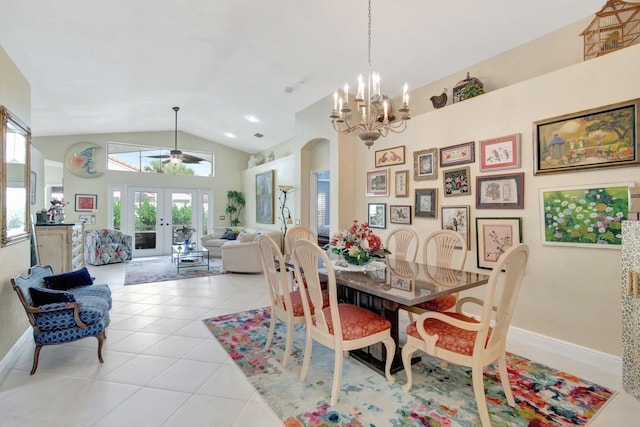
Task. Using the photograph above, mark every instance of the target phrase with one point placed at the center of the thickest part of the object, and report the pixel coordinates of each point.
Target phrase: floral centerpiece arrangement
(185, 232)
(357, 244)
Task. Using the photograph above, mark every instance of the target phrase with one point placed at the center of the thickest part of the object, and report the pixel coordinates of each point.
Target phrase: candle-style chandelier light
(374, 116)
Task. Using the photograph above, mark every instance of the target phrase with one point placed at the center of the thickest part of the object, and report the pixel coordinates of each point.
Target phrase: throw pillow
(72, 279)
(42, 296)
(217, 234)
(229, 235)
(246, 237)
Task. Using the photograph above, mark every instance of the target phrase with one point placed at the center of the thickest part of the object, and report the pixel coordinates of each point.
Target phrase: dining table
(388, 285)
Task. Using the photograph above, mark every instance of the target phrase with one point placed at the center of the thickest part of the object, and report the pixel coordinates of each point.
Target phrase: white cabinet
(60, 246)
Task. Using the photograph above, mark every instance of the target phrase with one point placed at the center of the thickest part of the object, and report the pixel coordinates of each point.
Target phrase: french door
(154, 214)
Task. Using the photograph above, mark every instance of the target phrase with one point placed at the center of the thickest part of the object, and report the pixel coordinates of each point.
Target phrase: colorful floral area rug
(161, 269)
(439, 397)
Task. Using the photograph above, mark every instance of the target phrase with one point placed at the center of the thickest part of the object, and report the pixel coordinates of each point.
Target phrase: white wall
(15, 94)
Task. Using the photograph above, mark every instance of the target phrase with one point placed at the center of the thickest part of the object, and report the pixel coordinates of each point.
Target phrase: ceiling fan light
(176, 157)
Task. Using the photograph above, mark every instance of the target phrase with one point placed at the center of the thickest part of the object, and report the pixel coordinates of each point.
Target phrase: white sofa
(240, 255)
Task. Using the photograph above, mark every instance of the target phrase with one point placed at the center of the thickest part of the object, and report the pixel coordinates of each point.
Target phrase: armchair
(107, 246)
(66, 312)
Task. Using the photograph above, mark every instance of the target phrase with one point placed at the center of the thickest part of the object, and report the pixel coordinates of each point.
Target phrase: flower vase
(357, 260)
(187, 245)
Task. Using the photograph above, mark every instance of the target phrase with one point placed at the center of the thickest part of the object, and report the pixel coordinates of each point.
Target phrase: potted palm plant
(235, 203)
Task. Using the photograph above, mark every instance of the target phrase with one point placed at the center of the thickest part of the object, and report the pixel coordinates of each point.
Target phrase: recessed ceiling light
(252, 119)
(229, 135)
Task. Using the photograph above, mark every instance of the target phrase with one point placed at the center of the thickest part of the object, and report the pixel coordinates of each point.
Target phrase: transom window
(148, 159)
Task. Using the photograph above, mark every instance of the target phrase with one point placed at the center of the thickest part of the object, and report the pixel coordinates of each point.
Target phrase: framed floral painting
(588, 216)
(456, 182)
(494, 236)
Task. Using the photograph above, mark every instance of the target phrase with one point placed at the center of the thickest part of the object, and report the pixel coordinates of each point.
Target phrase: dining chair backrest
(501, 296)
(296, 233)
(307, 258)
(403, 244)
(443, 244)
(277, 278)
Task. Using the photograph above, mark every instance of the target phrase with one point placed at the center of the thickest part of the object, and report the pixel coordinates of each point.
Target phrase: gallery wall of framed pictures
(445, 172)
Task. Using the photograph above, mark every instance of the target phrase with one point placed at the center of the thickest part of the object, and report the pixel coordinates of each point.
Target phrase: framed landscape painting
(494, 236)
(587, 216)
(597, 138)
(264, 197)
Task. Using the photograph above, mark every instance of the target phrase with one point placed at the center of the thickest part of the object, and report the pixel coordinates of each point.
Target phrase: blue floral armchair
(63, 308)
(107, 246)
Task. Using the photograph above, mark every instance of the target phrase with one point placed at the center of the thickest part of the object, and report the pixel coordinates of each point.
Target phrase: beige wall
(15, 94)
(229, 164)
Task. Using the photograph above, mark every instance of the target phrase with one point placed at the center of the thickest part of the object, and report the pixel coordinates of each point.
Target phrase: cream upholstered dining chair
(402, 242)
(341, 327)
(457, 338)
(286, 304)
(443, 243)
(296, 233)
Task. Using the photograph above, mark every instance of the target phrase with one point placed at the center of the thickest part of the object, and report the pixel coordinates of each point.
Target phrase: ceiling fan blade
(188, 158)
(159, 156)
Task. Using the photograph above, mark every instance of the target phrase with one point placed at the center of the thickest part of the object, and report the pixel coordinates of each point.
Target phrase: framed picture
(588, 216)
(32, 188)
(400, 214)
(597, 138)
(500, 191)
(457, 154)
(378, 182)
(390, 157)
(402, 183)
(456, 182)
(456, 218)
(500, 153)
(426, 202)
(265, 197)
(425, 164)
(86, 202)
(494, 237)
(377, 215)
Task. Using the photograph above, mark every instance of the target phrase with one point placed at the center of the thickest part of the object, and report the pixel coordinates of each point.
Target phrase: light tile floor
(162, 367)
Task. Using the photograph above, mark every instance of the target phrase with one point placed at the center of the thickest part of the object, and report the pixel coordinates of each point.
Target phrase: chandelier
(374, 114)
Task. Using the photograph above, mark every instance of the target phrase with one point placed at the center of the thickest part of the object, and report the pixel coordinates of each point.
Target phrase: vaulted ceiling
(121, 65)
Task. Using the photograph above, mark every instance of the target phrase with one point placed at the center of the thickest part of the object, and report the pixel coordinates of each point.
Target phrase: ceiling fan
(176, 156)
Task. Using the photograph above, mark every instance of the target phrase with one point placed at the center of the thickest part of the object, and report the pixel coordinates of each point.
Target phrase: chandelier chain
(374, 115)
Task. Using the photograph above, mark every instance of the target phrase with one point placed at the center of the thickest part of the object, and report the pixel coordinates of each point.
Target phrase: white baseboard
(9, 360)
(568, 350)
